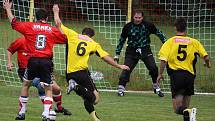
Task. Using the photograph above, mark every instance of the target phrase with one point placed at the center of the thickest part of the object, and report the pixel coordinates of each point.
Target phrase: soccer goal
(108, 17)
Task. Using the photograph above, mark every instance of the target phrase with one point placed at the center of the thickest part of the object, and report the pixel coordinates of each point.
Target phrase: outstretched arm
(9, 61)
(207, 61)
(108, 59)
(7, 6)
(162, 67)
(56, 17)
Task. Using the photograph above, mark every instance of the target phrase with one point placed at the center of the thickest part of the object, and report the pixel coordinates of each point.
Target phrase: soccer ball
(52, 115)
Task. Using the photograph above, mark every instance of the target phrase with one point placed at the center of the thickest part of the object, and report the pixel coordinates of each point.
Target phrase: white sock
(22, 104)
(47, 105)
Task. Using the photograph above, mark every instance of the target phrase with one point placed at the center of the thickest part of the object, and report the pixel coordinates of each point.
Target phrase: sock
(47, 105)
(88, 106)
(121, 88)
(42, 99)
(155, 86)
(186, 116)
(58, 100)
(23, 100)
(94, 116)
(180, 110)
(83, 92)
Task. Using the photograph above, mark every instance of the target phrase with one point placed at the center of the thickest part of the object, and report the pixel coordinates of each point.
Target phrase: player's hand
(9, 66)
(116, 58)
(124, 67)
(56, 15)
(7, 4)
(55, 8)
(160, 77)
(207, 64)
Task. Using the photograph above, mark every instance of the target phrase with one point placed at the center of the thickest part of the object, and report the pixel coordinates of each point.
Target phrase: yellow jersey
(80, 47)
(181, 53)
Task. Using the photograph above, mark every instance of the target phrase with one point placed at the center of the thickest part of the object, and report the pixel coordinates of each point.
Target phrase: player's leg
(45, 70)
(149, 61)
(85, 88)
(181, 98)
(40, 88)
(188, 93)
(57, 97)
(23, 99)
(131, 60)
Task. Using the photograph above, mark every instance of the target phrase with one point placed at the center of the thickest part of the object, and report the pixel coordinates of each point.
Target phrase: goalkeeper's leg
(131, 62)
(153, 72)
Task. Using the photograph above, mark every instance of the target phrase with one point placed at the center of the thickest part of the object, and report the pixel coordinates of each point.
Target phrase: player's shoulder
(20, 40)
(147, 23)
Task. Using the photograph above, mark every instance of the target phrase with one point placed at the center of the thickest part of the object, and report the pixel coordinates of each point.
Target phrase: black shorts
(82, 78)
(182, 82)
(21, 72)
(41, 68)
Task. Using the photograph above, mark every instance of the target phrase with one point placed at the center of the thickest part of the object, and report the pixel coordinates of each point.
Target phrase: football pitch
(132, 107)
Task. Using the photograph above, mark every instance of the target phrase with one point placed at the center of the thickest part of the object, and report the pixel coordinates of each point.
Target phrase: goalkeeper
(179, 54)
(80, 47)
(138, 33)
(22, 58)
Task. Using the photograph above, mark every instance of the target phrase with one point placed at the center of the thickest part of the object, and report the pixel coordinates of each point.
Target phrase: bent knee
(97, 97)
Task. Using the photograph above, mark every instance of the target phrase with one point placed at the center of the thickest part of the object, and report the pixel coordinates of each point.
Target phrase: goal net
(108, 17)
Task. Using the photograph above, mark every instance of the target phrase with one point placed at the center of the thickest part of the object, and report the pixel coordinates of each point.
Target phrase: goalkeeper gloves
(116, 58)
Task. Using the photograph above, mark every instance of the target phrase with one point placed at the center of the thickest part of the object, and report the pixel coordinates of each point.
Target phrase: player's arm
(157, 32)
(122, 39)
(121, 42)
(163, 56)
(203, 53)
(207, 61)
(7, 6)
(57, 20)
(162, 67)
(9, 60)
(108, 59)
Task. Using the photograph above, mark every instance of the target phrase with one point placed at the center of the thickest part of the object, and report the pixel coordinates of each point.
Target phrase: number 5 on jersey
(182, 51)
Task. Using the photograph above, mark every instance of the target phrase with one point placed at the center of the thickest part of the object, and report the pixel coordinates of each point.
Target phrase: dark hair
(88, 31)
(138, 11)
(41, 14)
(180, 24)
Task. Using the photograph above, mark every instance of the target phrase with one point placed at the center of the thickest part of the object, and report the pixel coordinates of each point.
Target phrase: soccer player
(138, 33)
(22, 57)
(179, 55)
(80, 47)
(40, 39)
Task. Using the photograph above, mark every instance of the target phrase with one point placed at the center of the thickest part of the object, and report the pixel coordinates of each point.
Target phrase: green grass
(132, 107)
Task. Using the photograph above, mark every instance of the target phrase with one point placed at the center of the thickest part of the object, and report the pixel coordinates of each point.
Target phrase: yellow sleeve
(165, 50)
(201, 50)
(68, 32)
(100, 52)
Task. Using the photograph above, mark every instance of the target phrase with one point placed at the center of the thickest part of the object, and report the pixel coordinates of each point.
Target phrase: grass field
(132, 107)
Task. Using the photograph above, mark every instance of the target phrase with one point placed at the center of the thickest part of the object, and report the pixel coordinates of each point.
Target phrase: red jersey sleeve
(14, 46)
(19, 26)
(59, 37)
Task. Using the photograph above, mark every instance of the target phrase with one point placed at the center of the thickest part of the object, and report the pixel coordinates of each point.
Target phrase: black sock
(83, 92)
(122, 82)
(186, 116)
(180, 110)
(88, 106)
